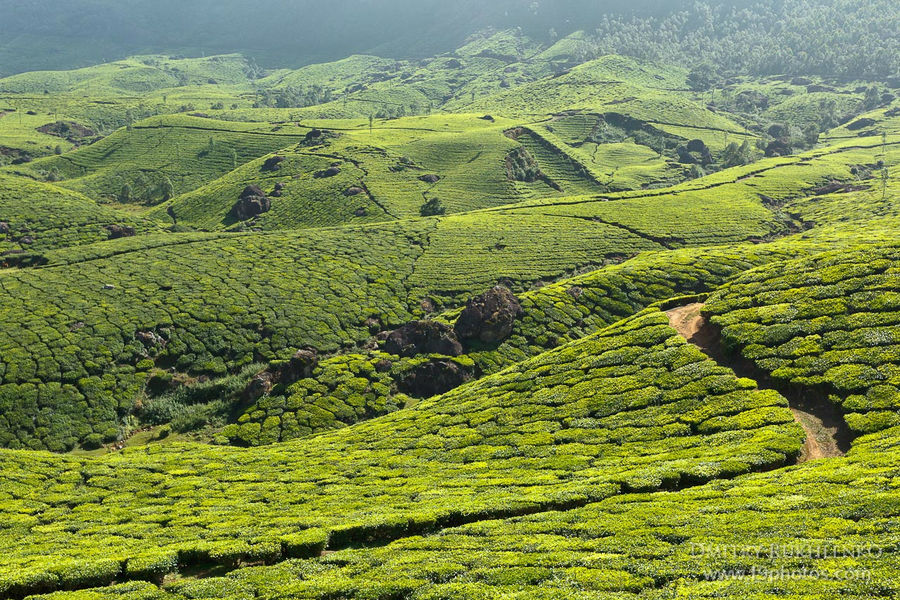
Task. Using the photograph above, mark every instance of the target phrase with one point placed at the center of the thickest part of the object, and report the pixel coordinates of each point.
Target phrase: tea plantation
(571, 426)
(728, 539)
(524, 320)
(828, 321)
(41, 217)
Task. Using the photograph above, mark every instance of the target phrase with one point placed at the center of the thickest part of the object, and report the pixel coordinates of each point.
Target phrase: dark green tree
(126, 195)
(433, 207)
(702, 77)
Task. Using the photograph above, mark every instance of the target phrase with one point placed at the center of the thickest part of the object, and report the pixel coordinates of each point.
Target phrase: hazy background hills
(275, 32)
(757, 35)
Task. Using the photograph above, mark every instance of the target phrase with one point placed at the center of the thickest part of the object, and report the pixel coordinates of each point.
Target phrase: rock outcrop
(301, 366)
(253, 202)
(490, 317)
(117, 232)
(435, 377)
(423, 337)
(273, 163)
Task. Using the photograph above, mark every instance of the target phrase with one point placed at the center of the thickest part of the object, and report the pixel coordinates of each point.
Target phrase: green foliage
(433, 207)
(728, 539)
(633, 407)
(830, 321)
(141, 160)
(595, 449)
(44, 217)
(350, 387)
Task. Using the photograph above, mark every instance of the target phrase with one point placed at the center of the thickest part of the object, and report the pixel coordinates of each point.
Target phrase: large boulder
(117, 232)
(4, 227)
(273, 163)
(434, 377)
(253, 202)
(423, 337)
(332, 171)
(301, 366)
(258, 387)
(490, 317)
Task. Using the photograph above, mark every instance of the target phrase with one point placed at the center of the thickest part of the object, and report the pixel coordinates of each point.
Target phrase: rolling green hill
(135, 75)
(40, 217)
(517, 434)
(183, 151)
(217, 323)
(544, 316)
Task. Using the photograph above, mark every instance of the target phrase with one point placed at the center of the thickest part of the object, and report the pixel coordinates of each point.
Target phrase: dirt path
(827, 435)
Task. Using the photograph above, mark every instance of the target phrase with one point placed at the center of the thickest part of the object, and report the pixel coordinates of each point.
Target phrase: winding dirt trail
(827, 435)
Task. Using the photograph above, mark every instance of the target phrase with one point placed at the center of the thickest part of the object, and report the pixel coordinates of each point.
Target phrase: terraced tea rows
(729, 539)
(457, 255)
(178, 152)
(631, 408)
(84, 345)
(829, 322)
(187, 225)
(38, 217)
(352, 387)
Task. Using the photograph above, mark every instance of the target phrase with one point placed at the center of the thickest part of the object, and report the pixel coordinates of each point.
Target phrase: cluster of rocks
(317, 137)
(423, 337)
(117, 232)
(253, 202)
(151, 340)
(68, 130)
(488, 319)
(300, 366)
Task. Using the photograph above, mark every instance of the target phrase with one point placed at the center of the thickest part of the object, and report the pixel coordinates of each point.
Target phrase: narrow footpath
(827, 434)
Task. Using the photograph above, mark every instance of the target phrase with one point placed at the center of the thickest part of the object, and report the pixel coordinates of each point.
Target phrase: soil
(827, 434)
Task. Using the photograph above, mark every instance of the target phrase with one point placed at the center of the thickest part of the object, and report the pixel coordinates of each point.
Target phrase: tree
(168, 190)
(872, 99)
(702, 77)
(736, 155)
(433, 208)
(126, 195)
(811, 135)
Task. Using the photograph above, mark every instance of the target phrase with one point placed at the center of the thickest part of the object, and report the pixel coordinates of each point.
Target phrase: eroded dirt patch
(827, 434)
